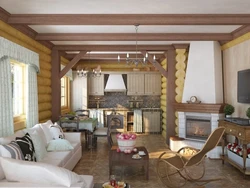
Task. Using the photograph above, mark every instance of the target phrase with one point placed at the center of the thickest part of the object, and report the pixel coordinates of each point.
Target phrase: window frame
(66, 107)
(20, 120)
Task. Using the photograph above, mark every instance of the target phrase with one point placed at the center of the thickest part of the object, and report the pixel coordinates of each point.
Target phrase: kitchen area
(128, 101)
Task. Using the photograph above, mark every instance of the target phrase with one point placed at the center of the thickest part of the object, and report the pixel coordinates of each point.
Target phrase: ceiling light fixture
(135, 61)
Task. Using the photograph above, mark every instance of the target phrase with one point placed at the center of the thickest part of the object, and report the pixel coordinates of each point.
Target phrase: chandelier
(84, 71)
(135, 61)
(97, 72)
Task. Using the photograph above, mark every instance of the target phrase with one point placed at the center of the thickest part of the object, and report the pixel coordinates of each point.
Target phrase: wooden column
(170, 129)
(55, 85)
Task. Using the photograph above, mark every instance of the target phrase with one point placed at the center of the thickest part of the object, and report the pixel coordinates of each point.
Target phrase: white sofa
(66, 159)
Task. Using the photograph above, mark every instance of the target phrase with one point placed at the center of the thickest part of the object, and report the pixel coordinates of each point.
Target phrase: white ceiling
(128, 7)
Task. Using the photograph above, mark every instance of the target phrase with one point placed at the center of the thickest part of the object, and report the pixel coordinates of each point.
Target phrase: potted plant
(248, 112)
(228, 110)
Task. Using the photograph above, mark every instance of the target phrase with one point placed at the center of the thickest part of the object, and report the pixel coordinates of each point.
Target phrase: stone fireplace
(203, 80)
(196, 122)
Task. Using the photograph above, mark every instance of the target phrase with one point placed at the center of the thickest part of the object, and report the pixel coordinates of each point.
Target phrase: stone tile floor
(96, 162)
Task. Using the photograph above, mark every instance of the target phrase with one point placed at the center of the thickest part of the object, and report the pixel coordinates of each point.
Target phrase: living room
(196, 49)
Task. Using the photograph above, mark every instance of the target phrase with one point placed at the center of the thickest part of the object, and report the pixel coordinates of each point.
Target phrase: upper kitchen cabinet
(152, 84)
(96, 85)
(135, 83)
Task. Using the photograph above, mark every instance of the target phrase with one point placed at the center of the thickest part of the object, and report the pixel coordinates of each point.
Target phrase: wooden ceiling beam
(113, 47)
(108, 56)
(133, 36)
(130, 19)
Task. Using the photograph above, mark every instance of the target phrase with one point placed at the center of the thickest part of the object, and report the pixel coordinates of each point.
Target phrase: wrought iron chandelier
(137, 60)
(84, 71)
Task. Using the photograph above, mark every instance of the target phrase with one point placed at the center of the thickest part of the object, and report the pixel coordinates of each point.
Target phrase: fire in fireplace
(198, 128)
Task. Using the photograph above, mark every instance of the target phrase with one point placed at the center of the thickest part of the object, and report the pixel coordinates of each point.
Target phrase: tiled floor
(95, 162)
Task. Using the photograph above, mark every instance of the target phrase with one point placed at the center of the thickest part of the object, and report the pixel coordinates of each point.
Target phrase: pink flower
(126, 136)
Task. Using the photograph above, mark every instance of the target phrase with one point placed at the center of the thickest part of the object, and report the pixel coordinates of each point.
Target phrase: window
(18, 92)
(65, 87)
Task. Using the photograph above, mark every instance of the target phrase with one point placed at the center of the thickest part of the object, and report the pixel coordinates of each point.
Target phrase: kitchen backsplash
(120, 100)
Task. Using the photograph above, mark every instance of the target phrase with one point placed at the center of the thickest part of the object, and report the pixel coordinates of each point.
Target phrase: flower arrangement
(234, 147)
(126, 142)
(126, 136)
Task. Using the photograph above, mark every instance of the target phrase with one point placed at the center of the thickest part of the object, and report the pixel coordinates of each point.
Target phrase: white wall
(204, 73)
(234, 59)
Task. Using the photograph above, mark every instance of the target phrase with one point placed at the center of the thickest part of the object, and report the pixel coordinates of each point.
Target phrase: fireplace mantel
(201, 107)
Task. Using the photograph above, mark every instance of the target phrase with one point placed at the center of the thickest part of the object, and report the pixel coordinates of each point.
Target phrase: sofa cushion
(38, 173)
(62, 156)
(56, 132)
(40, 131)
(39, 145)
(11, 150)
(46, 129)
(59, 145)
(75, 145)
(27, 147)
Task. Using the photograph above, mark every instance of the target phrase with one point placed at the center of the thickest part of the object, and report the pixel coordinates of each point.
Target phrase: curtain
(32, 102)
(10, 50)
(137, 121)
(6, 109)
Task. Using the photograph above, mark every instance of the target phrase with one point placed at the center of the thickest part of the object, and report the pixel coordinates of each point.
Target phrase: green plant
(248, 112)
(228, 109)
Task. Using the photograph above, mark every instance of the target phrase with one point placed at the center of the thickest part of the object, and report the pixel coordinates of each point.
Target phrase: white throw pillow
(39, 131)
(59, 145)
(46, 129)
(39, 145)
(38, 173)
(57, 132)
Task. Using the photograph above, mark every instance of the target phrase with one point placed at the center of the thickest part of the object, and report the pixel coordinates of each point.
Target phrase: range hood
(115, 83)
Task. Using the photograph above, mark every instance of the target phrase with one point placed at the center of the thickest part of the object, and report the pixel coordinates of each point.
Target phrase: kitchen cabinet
(151, 121)
(96, 85)
(152, 84)
(135, 84)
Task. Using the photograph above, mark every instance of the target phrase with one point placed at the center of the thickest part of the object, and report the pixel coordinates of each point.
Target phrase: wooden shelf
(201, 107)
(239, 167)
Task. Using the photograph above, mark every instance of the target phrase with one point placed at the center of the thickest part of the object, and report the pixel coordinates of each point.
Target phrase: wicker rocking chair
(176, 168)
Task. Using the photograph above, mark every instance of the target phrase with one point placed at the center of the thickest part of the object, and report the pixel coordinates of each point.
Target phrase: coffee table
(124, 159)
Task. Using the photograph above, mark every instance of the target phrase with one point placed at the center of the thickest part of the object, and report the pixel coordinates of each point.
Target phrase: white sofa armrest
(73, 137)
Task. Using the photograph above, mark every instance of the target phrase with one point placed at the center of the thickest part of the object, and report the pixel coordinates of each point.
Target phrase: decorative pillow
(39, 145)
(59, 145)
(56, 132)
(38, 173)
(11, 150)
(46, 129)
(39, 131)
(27, 147)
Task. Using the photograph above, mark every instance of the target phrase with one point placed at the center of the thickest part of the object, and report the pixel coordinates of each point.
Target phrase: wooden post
(170, 127)
(55, 85)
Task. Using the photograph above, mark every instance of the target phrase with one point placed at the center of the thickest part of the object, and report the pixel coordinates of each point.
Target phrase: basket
(126, 144)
